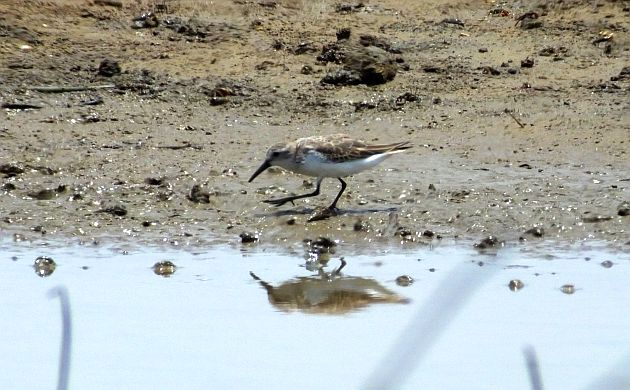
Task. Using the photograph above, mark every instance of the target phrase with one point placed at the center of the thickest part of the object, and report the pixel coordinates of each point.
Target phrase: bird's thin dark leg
(333, 206)
(281, 201)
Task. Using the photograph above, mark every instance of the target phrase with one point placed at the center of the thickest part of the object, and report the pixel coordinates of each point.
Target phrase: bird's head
(274, 154)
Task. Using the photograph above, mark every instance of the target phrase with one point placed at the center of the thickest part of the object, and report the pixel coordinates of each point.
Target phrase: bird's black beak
(260, 170)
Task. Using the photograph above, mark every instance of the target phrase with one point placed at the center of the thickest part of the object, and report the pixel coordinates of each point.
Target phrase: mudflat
(142, 121)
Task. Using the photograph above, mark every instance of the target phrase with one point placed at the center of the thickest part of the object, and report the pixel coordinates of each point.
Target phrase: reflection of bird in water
(328, 293)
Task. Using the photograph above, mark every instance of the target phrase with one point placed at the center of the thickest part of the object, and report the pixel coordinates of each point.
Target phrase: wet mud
(125, 120)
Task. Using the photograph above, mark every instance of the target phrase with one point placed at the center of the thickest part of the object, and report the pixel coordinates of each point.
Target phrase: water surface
(212, 325)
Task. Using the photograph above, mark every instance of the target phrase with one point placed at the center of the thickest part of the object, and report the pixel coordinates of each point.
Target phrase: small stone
(596, 218)
(527, 63)
(117, 210)
(108, 68)
(44, 266)
(483, 50)
(343, 33)
(404, 280)
(361, 226)
(45, 194)
(607, 264)
(488, 242)
(515, 285)
(568, 289)
(197, 195)
(248, 238)
(153, 181)
(624, 209)
(11, 170)
(535, 232)
(164, 268)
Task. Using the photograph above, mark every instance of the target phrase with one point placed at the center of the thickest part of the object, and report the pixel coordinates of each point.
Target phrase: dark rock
(364, 105)
(47, 193)
(623, 74)
(267, 3)
(404, 280)
(145, 20)
(489, 242)
(489, 70)
(21, 106)
(152, 181)
(93, 101)
(527, 63)
(248, 238)
(302, 48)
(515, 285)
(529, 20)
(342, 77)
(44, 266)
(10, 170)
(332, 52)
(218, 101)
(535, 232)
(406, 97)
(345, 8)
(380, 42)
(8, 187)
(454, 21)
(343, 33)
(432, 69)
(198, 195)
(164, 268)
(405, 233)
(320, 245)
(109, 68)
(596, 218)
(110, 3)
(361, 226)
(117, 210)
(369, 65)
(624, 209)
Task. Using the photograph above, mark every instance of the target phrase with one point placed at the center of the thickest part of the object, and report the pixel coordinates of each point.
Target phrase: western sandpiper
(336, 155)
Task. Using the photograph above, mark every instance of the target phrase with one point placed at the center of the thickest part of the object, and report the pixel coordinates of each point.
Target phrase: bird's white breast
(315, 164)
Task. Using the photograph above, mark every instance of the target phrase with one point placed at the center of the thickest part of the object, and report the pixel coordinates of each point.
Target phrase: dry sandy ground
(499, 147)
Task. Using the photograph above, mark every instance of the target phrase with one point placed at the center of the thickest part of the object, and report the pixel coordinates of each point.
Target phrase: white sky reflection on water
(211, 325)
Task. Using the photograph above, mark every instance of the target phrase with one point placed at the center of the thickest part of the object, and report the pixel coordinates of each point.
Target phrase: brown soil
(498, 148)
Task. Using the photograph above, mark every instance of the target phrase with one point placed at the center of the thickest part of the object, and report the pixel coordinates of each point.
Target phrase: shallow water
(212, 325)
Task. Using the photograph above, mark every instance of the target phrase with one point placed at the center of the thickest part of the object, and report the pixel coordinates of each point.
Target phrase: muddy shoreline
(519, 132)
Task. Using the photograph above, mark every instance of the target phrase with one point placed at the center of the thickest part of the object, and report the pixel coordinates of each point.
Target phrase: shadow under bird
(336, 155)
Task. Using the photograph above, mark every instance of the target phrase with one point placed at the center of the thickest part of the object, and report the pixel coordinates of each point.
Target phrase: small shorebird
(335, 155)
